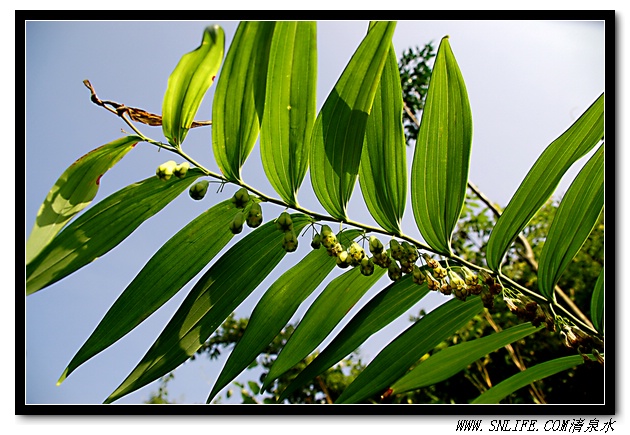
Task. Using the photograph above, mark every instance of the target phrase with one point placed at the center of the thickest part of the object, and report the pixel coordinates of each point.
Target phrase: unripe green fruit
(289, 241)
(410, 252)
(396, 250)
(335, 250)
(165, 171)
(198, 190)
(326, 231)
(418, 275)
(317, 241)
(367, 266)
(284, 222)
(393, 271)
(343, 259)
(236, 226)
(356, 253)
(181, 170)
(254, 215)
(329, 241)
(376, 247)
(240, 198)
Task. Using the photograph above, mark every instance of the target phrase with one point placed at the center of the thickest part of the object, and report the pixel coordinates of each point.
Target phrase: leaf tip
(63, 376)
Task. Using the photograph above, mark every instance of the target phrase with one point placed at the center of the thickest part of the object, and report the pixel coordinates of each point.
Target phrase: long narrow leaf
(73, 191)
(383, 169)
(274, 310)
(290, 106)
(379, 312)
(217, 294)
(454, 359)
(337, 139)
(321, 318)
(576, 216)
(239, 99)
(172, 266)
(441, 160)
(597, 303)
(102, 228)
(405, 350)
(543, 178)
(526, 377)
(188, 84)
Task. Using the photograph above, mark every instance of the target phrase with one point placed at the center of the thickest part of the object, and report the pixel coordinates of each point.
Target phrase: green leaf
(337, 139)
(405, 350)
(275, 309)
(239, 99)
(383, 169)
(574, 220)
(597, 303)
(380, 311)
(448, 362)
(102, 227)
(188, 84)
(212, 299)
(74, 191)
(172, 266)
(526, 377)
(439, 173)
(322, 317)
(543, 178)
(290, 106)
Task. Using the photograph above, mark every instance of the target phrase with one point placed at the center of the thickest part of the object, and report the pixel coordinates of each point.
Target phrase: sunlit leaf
(239, 99)
(543, 178)
(74, 191)
(337, 139)
(526, 377)
(275, 309)
(212, 299)
(575, 218)
(383, 169)
(172, 266)
(448, 362)
(379, 312)
(103, 227)
(322, 317)
(188, 84)
(439, 174)
(405, 350)
(597, 303)
(290, 106)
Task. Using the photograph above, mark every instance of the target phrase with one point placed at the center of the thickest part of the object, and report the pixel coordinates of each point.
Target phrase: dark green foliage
(415, 74)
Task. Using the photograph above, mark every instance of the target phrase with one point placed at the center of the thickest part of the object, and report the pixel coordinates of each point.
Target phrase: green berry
(254, 215)
(343, 259)
(317, 241)
(198, 190)
(289, 241)
(236, 226)
(240, 198)
(284, 222)
(393, 271)
(367, 266)
(181, 170)
(376, 247)
(396, 250)
(165, 171)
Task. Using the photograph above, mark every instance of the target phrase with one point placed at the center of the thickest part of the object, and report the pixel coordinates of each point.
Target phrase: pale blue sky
(527, 82)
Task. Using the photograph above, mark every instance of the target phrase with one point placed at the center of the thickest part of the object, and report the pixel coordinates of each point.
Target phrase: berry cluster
(285, 225)
(528, 310)
(166, 170)
(249, 211)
